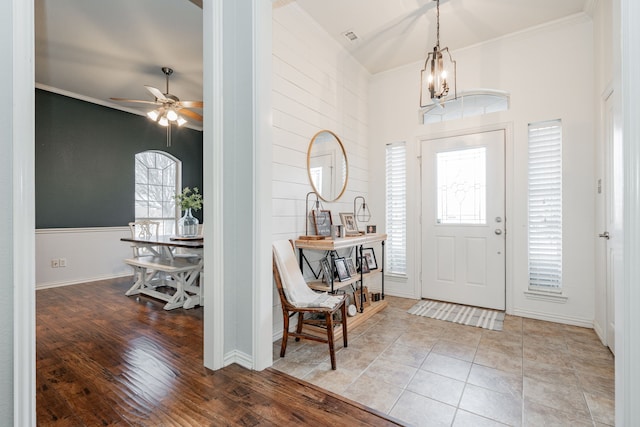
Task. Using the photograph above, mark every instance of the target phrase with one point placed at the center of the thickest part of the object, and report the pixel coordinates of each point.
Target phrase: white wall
(548, 71)
(90, 253)
(316, 85)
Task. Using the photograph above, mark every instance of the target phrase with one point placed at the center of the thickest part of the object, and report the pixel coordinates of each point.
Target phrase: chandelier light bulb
(163, 121)
(172, 115)
(153, 115)
(181, 121)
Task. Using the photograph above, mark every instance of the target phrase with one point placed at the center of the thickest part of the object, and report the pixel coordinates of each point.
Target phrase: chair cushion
(293, 284)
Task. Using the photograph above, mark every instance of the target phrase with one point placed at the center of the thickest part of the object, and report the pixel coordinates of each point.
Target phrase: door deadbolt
(498, 231)
(604, 235)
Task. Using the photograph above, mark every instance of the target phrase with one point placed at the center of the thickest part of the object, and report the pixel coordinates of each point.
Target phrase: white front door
(463, 221)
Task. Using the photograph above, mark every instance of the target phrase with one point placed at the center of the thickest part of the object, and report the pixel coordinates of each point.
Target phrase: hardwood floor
(106, 359)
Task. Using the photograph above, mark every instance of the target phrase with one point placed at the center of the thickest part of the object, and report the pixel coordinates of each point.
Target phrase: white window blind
(396, 198)
(545, 205)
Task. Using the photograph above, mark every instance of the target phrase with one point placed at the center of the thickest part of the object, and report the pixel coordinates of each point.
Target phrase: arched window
(158, 179)
(467, 104)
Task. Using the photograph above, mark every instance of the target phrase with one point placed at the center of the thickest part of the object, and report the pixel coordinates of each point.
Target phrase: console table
(331, 246)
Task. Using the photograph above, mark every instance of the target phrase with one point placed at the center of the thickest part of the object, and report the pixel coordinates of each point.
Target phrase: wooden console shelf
(318, 285)
(330, 246)
(344, 243)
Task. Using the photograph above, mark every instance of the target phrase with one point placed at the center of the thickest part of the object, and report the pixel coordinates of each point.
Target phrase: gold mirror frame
(324, 196)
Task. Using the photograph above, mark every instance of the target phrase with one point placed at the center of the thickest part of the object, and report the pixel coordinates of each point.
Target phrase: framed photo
(341, 268)
(363, 265)
(322, 222)
(370, 257)
(349, 222)
(371, 229)
(351, 268)
(325, 267)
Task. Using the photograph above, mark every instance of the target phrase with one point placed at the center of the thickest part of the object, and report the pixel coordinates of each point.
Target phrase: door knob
(498, 231)
(604, 235)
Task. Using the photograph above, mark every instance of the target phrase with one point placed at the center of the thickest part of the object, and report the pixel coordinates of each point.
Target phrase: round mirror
(327, 166)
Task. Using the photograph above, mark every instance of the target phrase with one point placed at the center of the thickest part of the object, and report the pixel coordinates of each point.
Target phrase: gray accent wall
(85, 161)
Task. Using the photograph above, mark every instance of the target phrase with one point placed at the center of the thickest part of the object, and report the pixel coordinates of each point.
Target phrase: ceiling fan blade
(191, 104)
(156, 92)
(191, 114)
(139, 101)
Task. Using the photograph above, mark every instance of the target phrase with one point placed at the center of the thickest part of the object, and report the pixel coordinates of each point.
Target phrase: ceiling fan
(170, 109)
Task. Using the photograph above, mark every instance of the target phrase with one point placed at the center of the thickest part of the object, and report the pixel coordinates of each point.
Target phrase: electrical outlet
(55, 263)
(63, 262)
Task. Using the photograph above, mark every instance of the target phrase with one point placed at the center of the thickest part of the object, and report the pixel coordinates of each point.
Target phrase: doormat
(456, 313)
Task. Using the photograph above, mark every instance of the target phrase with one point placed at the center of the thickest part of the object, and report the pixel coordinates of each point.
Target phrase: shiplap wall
(316, 85)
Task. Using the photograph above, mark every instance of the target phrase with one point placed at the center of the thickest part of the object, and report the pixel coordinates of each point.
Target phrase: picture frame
(349, 222)
(363, 266)
(351, 268)
(327, 273)
(371, 229)
(322, 222)
(341, 268)
(370, 256)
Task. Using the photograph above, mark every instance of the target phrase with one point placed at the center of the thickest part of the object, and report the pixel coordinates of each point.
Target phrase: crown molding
(101, 102)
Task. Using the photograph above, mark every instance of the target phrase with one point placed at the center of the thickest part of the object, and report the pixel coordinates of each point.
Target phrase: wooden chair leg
(332, 351)
(300, 323)
(285, 333)
(343, 311)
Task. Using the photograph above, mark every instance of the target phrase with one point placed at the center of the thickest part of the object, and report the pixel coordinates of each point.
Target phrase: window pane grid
(155, 187)
(396, 208)
(545, 205)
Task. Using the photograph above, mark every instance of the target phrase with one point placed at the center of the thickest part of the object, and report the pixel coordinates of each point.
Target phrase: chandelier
(435, 75)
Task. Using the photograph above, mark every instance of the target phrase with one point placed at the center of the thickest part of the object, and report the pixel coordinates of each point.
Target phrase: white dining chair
(144, 229)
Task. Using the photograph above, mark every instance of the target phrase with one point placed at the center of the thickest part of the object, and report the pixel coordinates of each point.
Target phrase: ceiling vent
(350, 35)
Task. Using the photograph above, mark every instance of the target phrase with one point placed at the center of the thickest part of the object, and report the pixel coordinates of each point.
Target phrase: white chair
(297, 297)
(144, 229)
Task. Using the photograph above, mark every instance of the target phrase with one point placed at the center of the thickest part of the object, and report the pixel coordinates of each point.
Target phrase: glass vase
(188, 225)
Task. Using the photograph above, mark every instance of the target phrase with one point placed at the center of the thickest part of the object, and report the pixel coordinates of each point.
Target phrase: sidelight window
(545, 206)
(396, 214)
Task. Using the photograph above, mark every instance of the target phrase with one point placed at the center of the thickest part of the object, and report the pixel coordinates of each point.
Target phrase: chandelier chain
(438, 24)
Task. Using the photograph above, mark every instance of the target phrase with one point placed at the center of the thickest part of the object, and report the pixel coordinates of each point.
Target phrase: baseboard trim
(239, 357)
(599, 332)
(394, 293)
(575, 321)
(79, 281)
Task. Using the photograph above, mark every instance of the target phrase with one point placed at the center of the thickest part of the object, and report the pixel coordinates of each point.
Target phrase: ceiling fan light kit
(437, 67)
(170, 109)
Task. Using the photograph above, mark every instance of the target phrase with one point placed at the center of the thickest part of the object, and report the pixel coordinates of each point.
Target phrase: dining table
(172, 261)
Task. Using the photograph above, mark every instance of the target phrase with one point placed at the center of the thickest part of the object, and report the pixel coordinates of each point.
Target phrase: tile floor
(428, 372)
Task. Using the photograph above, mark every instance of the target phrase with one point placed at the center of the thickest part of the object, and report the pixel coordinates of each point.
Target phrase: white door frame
(21, 108)
(507, 127)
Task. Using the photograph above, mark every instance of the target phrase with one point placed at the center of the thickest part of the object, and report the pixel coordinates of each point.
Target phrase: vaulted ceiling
(102, 49)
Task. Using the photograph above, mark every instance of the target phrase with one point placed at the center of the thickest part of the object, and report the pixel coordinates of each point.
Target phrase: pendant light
(439, 72)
